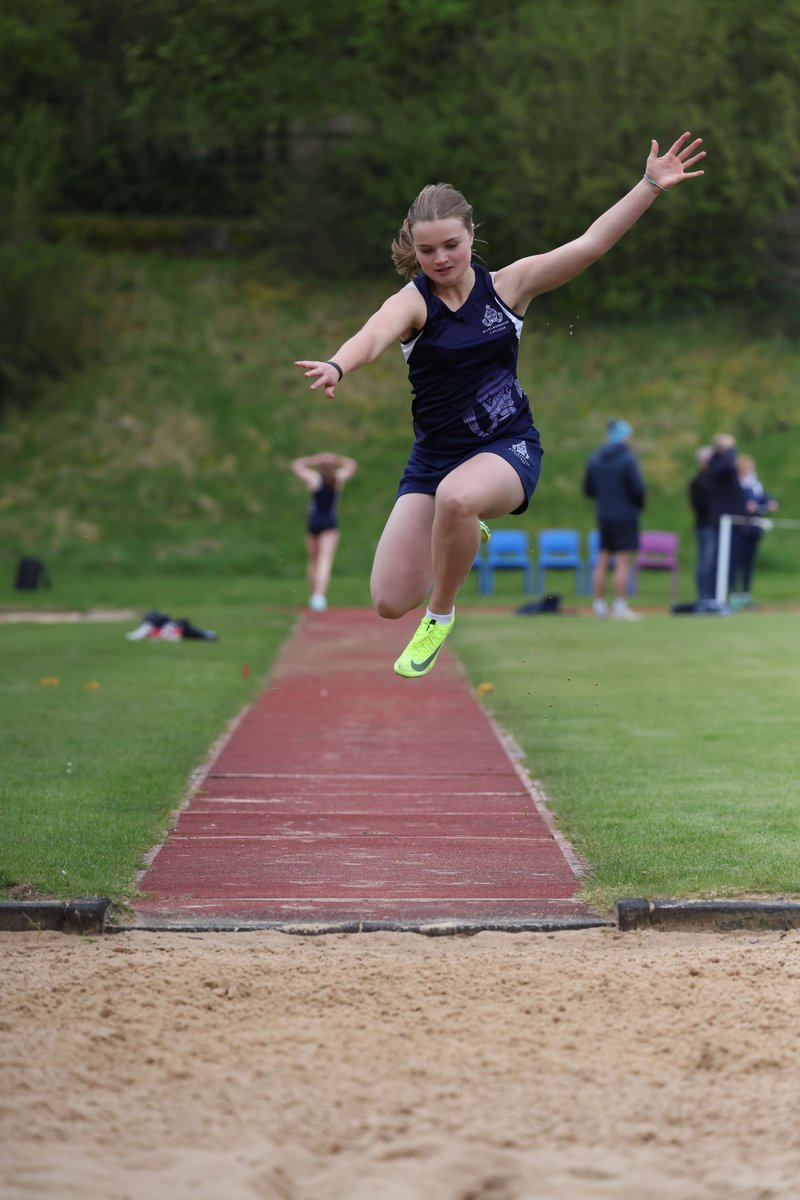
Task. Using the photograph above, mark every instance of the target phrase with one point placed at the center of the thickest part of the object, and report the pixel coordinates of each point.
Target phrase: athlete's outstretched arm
(397, 318)
(519, 282)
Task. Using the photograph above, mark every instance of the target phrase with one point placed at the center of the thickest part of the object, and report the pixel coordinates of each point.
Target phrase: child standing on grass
(324, 475)
(476, 453)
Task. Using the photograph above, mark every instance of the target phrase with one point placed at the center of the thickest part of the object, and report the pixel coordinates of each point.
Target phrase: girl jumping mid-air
(476, 453)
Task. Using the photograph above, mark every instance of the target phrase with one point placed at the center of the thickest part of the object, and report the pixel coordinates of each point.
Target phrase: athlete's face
(443, 249)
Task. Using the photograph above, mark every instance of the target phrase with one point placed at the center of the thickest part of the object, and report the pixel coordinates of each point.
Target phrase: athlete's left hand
(671, 168)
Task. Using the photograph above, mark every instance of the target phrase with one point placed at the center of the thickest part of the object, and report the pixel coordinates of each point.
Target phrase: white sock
(440, 618)
(620, 606)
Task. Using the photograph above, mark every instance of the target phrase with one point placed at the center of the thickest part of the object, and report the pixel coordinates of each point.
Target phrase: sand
(391, 1066)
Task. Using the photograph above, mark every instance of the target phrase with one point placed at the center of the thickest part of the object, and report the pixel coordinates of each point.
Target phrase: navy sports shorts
(425, 471)
(619, 537)
(315, 528)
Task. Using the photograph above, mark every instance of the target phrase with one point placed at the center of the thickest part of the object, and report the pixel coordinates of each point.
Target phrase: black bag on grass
(547, 604)
(31, 573)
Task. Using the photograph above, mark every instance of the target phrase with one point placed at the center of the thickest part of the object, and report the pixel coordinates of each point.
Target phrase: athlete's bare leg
(402, 572)
(485, 486)
(311, 560)
(321, 556)
(429, 542)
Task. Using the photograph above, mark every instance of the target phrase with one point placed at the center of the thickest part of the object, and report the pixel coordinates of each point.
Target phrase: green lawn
(158, 476)
(169, 452)
(101, 735)
(668, 749)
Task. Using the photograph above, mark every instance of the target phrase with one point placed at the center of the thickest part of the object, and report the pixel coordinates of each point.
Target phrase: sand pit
(393, 1066)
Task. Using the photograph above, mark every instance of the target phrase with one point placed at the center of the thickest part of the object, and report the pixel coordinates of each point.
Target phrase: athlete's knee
(392, 607)
(390, 611)
(454, 504)
(388, 608)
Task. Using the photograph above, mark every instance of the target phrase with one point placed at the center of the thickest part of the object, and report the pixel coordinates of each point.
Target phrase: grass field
(169, 452)
(101, 735)
(157, 477)
(665, 748)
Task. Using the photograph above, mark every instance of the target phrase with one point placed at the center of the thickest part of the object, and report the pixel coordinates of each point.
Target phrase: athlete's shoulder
(420, 286)
(484, 279)
(402, 309)
(415, 300)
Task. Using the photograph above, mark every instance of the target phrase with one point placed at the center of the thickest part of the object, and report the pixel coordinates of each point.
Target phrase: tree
(323, 119)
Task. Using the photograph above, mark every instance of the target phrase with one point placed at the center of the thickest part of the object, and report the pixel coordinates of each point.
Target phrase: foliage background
(194, 192)
(322, 120)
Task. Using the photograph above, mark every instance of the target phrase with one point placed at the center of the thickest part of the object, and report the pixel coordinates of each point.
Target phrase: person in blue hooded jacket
(614, 481)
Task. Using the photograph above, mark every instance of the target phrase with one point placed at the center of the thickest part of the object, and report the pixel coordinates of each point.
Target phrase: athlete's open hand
(324, 375)
(671, 168)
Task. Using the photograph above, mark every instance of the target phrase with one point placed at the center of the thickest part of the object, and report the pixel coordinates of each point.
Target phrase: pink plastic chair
(658, 551)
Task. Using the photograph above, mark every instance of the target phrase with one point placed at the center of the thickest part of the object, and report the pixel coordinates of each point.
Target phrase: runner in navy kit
(476, 453)
(324, 475)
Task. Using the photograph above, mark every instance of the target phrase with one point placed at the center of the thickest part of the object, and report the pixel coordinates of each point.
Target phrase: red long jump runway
(347, 795)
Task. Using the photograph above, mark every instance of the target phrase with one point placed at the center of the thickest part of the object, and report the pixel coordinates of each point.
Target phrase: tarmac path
(346, 796)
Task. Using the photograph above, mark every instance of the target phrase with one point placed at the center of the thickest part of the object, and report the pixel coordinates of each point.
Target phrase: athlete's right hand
(324, 375)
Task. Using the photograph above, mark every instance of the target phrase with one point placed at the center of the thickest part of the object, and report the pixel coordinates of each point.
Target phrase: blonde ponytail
(403, 255)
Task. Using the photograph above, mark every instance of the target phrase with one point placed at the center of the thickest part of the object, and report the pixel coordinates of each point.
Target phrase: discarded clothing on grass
(547, 604)
(162, 627)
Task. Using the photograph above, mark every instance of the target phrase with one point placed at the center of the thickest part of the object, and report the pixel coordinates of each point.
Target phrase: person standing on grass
(613, 480)
(756, 504)
(324, 475)
(476, 453)
(727, 497)
(705, 537)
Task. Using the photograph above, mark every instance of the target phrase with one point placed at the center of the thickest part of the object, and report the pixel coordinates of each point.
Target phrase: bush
(178, 236)
(42, 311)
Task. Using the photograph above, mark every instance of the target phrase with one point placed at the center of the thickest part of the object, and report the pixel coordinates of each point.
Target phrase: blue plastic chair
(559, 550)
(507, 549)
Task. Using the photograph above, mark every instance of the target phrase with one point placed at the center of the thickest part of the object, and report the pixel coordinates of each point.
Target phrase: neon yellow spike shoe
(419, 656)
(486, 532)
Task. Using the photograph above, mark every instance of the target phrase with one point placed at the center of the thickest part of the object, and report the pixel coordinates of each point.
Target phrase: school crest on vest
(491, 317)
